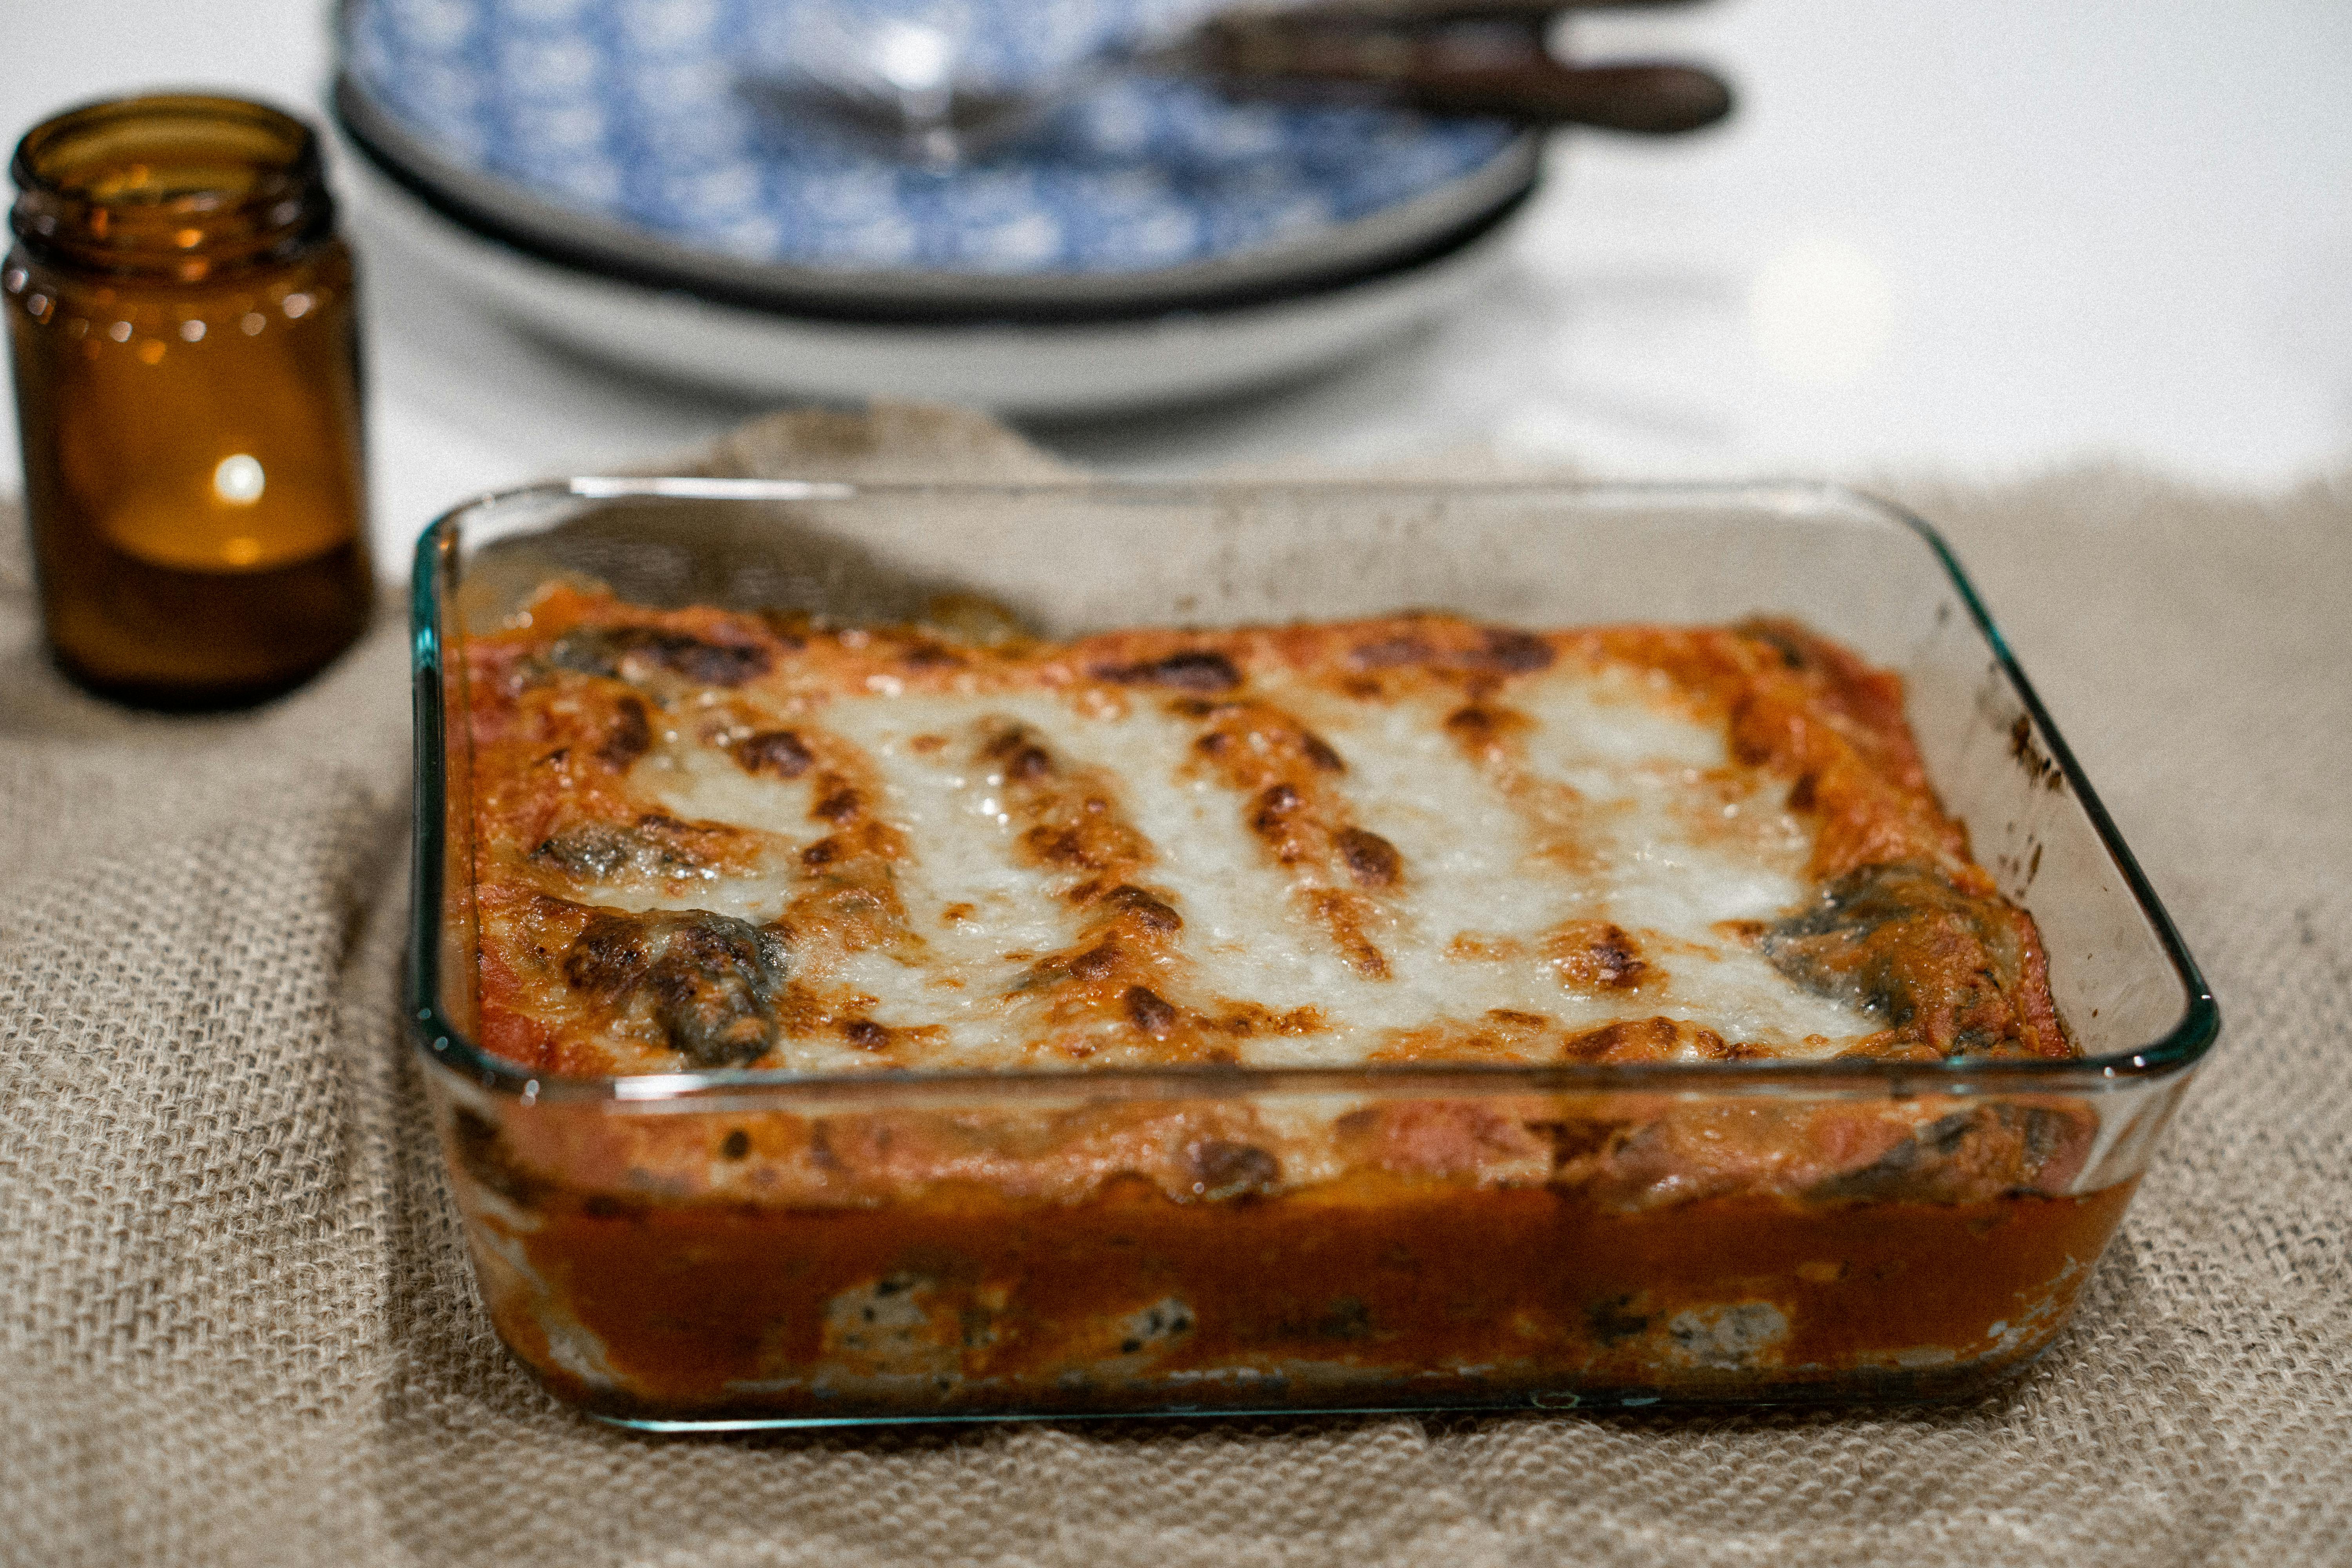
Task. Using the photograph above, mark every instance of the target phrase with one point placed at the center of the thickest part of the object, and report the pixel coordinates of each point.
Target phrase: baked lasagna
(705, 839)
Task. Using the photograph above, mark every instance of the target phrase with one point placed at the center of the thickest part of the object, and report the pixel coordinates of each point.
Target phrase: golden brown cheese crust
(579, 980)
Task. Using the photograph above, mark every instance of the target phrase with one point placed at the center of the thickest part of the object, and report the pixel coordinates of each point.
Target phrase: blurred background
(1973, 240)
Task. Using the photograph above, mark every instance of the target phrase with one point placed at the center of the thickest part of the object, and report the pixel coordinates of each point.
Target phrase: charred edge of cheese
(639, 653)
(1188, 669)
(1439, 644)
(1835, 726)
(1346, 876)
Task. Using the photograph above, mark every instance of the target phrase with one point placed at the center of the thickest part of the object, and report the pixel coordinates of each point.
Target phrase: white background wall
(1978, 238)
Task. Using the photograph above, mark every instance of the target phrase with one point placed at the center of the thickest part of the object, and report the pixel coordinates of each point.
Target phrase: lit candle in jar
(186, 344)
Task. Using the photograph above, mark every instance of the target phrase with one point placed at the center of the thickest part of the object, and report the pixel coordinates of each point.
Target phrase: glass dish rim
(439, 1041)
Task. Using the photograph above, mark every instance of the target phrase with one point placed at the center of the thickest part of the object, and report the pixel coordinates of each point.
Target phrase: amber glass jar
(186, 347)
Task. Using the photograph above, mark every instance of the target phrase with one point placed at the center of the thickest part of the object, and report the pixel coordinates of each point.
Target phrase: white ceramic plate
(1087, 366)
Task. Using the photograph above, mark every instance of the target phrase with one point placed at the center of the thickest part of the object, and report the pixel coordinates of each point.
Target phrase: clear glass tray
(676, 1303)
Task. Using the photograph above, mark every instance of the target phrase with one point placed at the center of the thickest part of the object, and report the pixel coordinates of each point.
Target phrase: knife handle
(1434, 12)
(1650, 99)
(1502, 72)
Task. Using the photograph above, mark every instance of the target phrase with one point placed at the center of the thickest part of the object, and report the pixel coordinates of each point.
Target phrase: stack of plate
(613, 173)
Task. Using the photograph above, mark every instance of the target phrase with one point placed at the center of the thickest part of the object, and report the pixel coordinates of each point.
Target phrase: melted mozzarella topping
(1591, 867)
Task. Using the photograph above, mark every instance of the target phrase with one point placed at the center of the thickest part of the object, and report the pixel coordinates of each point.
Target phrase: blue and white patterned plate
(634, 133)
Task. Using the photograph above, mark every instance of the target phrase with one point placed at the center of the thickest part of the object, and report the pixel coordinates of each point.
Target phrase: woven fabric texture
(237, 1324)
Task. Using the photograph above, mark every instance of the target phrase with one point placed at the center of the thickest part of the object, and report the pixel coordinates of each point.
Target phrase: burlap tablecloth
(238, 1325)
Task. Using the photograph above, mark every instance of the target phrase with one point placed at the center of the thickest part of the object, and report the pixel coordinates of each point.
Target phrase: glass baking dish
(627, 1254)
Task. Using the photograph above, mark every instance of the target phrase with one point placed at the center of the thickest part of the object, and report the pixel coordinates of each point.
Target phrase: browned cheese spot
(790, 627)
(1645, 1040)
(1372, 859)
(1284, 772)
(1243, 1020)
(924, 653)
(1495, 651)
(1595, 957)
(631, 737)
(1149, 1013)
(1557, 819)
(1345, 916)
(1151, 913)
(1196, 669)
(1094, 964)
(1516, 652)
(1070, 820)
(1477, 947)
(777, 752)
(848, 899)
(1277, 820)
(1500, 1035)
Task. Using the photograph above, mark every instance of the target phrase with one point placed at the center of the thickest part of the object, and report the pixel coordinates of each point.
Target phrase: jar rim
(93, 139)
(188, 183)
